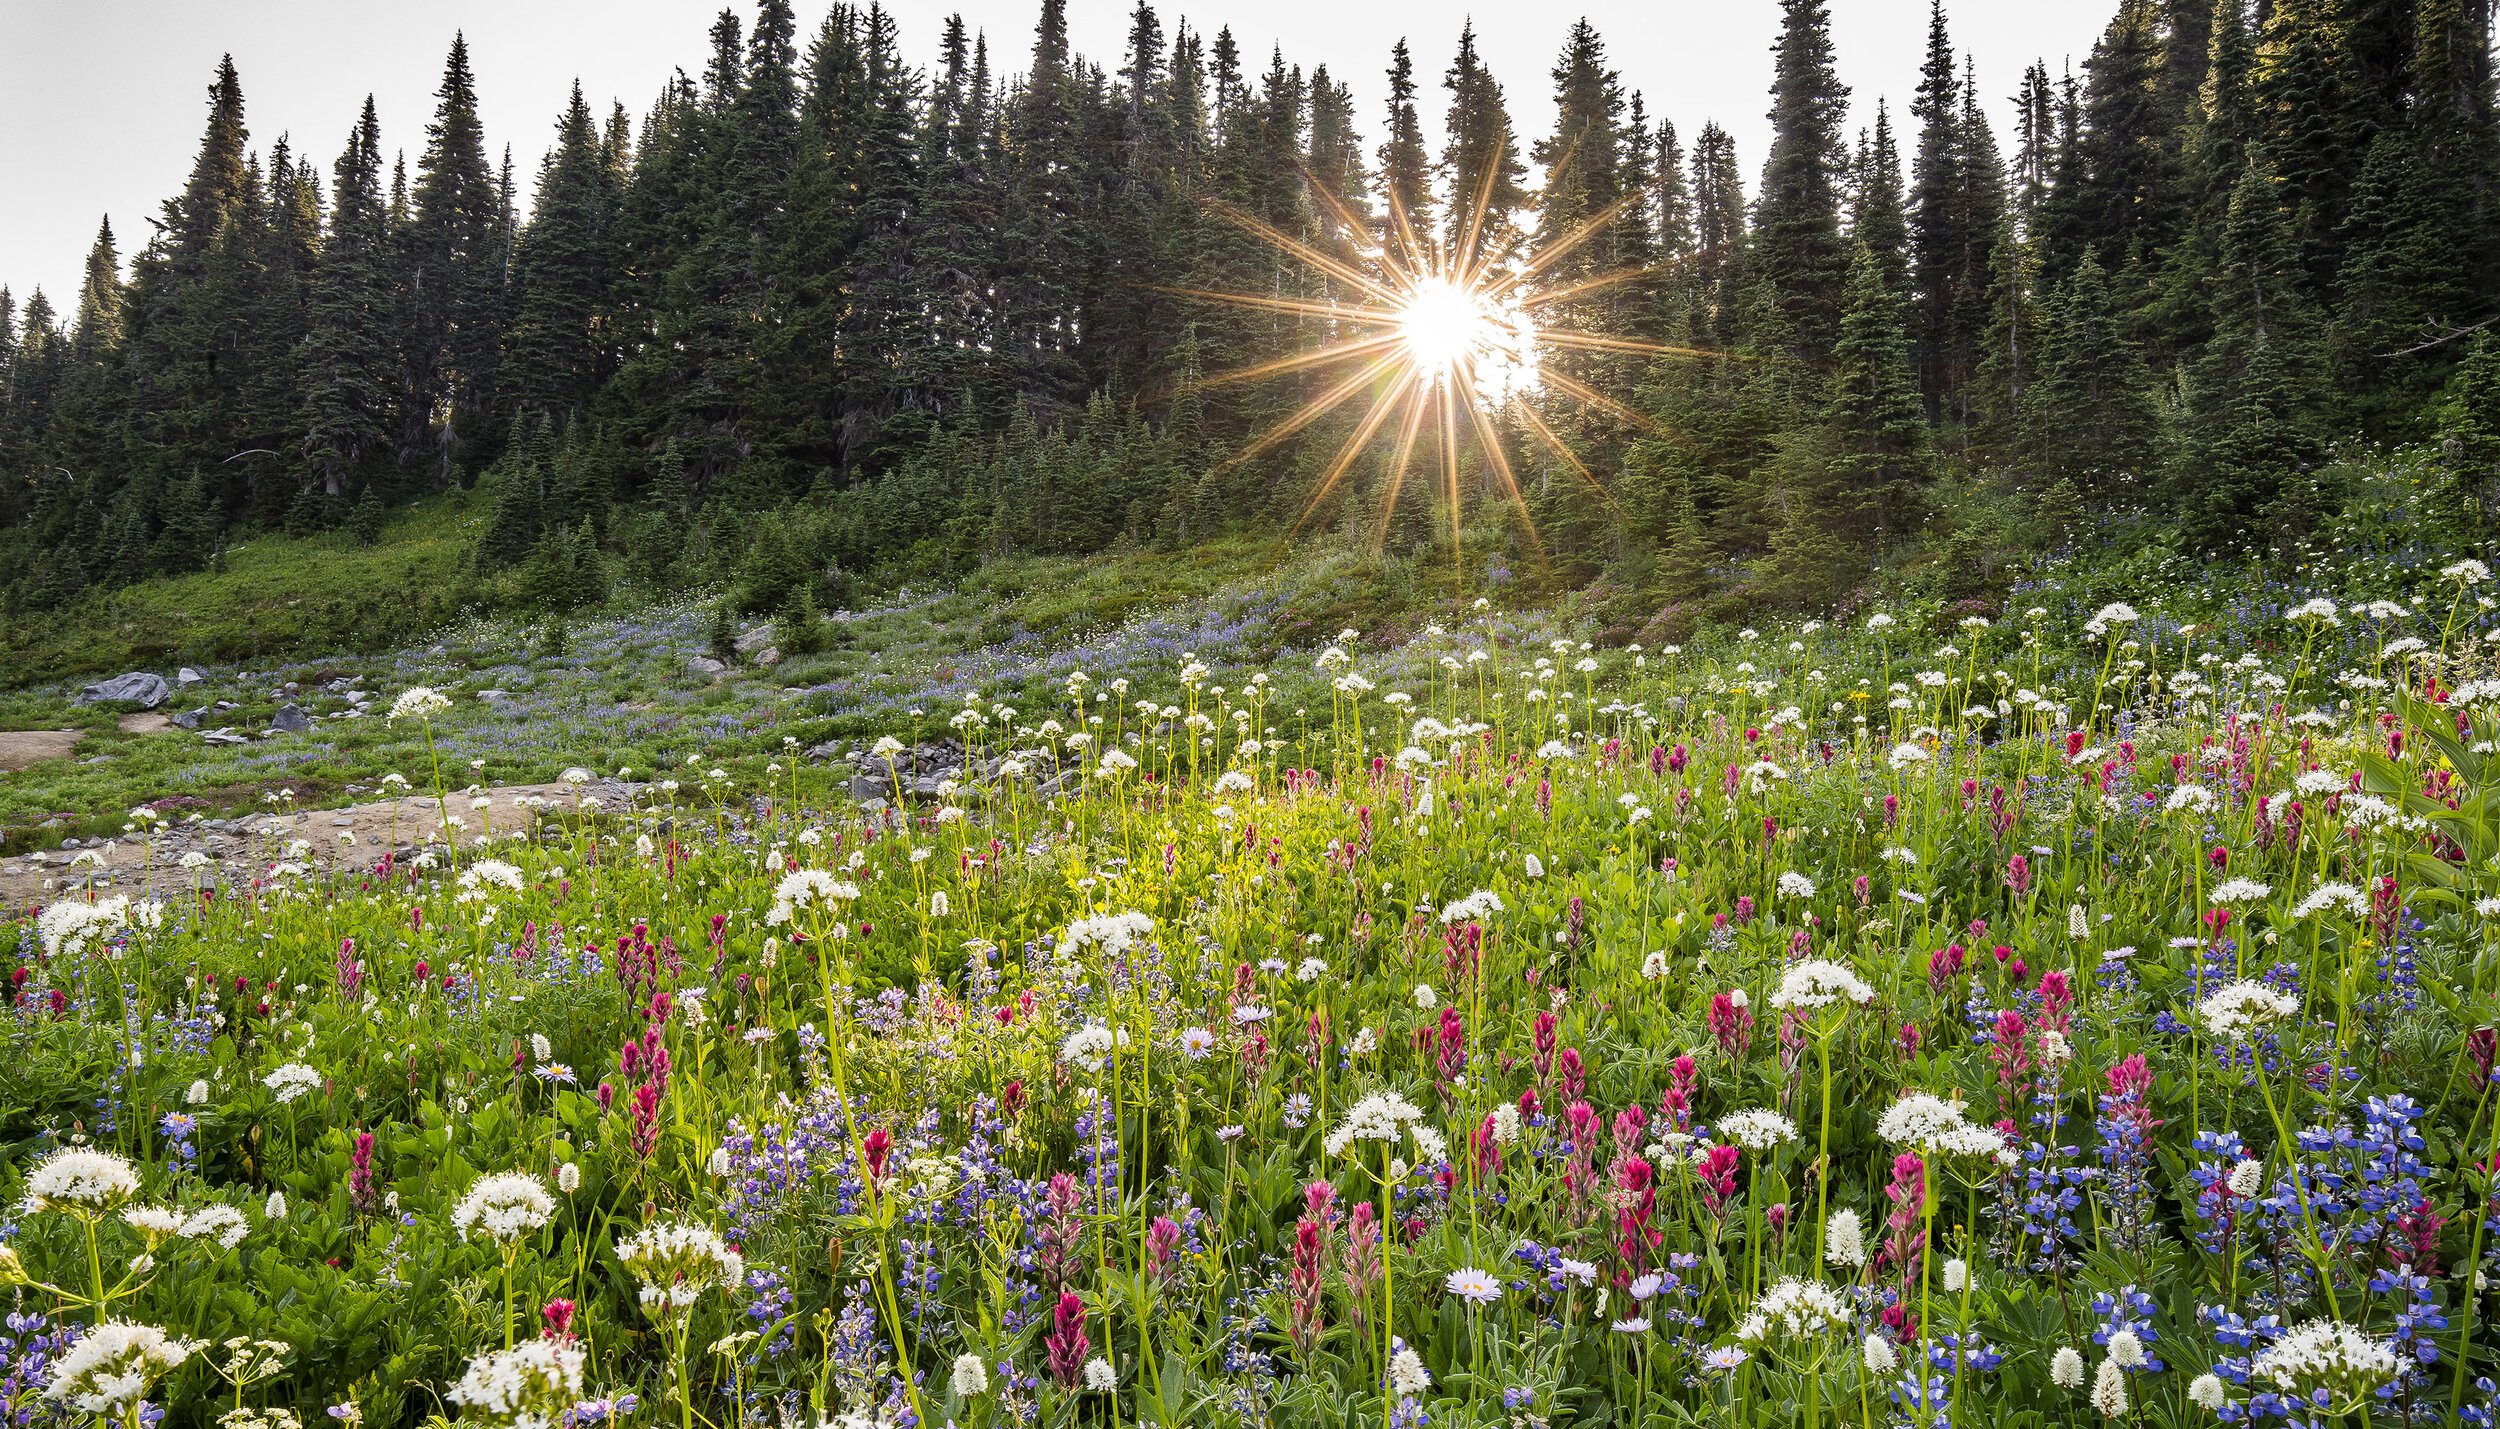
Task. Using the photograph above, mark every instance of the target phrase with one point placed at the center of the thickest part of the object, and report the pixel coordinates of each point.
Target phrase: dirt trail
(22, 748)
(244, 846)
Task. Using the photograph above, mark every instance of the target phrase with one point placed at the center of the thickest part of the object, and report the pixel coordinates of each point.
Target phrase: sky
(106, 99)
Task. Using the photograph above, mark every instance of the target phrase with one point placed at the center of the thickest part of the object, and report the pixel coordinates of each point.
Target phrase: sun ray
(1353, 447)
(1308, 413)
(1316, 357)
(1306, 252)
(1594, 342)
(1491, 443)
(1566, 245)
(1555, 444)
(1598, 399)
(1302, 307)
(1401, 459)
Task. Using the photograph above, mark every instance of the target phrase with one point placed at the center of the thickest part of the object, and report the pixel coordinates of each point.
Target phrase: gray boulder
(188, 676)
(705, 666)
(290, 720)
(185, 719)
(755, 640)
(138, 687)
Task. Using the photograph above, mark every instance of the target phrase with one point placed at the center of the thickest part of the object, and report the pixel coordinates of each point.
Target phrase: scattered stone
(221, 737)
(771, 656)
(289, 688)
(290, 720)
(186, 719)
(706, 666)
(755, 640)
(188, 676)
(825, 751)
(138, 687)
(492, 695)
(225, 704)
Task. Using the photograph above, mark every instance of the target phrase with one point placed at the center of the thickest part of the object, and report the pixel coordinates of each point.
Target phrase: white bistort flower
(2066, 1368)
(971, 1376)
(1407, 1375)
(1844, 1240)
(2109, 1389)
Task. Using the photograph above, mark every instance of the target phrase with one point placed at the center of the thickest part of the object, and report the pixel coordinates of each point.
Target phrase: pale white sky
(104, 100)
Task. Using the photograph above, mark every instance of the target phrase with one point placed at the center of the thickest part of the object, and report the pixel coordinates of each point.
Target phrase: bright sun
(1442, 324)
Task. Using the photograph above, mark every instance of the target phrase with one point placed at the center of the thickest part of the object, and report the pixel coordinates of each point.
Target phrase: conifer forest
(945, 735)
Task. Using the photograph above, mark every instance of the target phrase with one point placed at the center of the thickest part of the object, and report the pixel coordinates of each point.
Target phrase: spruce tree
(348, 383)
(1480, 162)
(1799, 255)
(448, 332)
(1405, 168)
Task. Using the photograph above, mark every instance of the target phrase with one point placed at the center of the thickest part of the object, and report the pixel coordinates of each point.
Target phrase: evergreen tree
(1799, 255)
(349, 380)
(98, 333)
(1405, 167)
(450, 278)
(1480, 162)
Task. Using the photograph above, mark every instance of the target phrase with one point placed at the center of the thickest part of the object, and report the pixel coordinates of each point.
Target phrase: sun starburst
(1447, 340)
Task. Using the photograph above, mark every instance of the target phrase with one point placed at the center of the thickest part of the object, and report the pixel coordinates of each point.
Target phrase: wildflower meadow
(2029, 1017)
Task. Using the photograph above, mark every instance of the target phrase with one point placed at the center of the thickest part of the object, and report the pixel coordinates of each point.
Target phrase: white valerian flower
(676, 1262)
(1905, 754)
(1931, 1123)
(2066, 1368)
(218, 1222)
(1796, 885)
(2468, 572)
(2109, 1389)
(157, 1224)
(808, 889)
(529, 1386)
(1794, 1309)
(1407, 1374)
(82, 1181)
(2241, 1007)
(1114, 931)
(1879, 1355)
(1475, 907)
(1099, 1376)
(1382, 1116)
(1844, 1240)
(418, 702)
(2328, 896)
(2241, 890)
(1819, 983)
(112, 1365)
(2206, 1392)
(291, 1081)
(1756, 1129)
(971, 1376)
(1088, 1044)
(1311, 970)
(505, 1206)
(2328, 1355)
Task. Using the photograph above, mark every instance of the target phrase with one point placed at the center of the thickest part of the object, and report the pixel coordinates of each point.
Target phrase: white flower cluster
(807, 888)
(112, 1365)
(2328, 1355)
(1818, 983)
(1937, 1127)
(506, 1206)
(1381, 1117)
(529, 1386)
(1114, 931)
(1757, 1129)
(2241, 890)
(1796, 885)
(80, 1180)
(419, 702)
(2235, 1010)
(1474, 908)
(2331, 896)
(1794, 1309)
(70, 926)
(1091, 1043)
(676, 1262)
(490, 871)
(291, 1081)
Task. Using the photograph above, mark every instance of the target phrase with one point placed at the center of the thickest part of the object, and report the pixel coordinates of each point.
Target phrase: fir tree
(1799, 255)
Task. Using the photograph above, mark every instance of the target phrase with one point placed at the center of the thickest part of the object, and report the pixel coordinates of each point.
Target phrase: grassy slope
(620, 692)
(278, 597)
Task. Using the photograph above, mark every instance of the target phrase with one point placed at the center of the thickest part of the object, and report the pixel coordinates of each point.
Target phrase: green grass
(278, 598)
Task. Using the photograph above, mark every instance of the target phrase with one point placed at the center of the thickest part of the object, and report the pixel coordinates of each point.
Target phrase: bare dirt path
(244, 847)
(21, 748)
